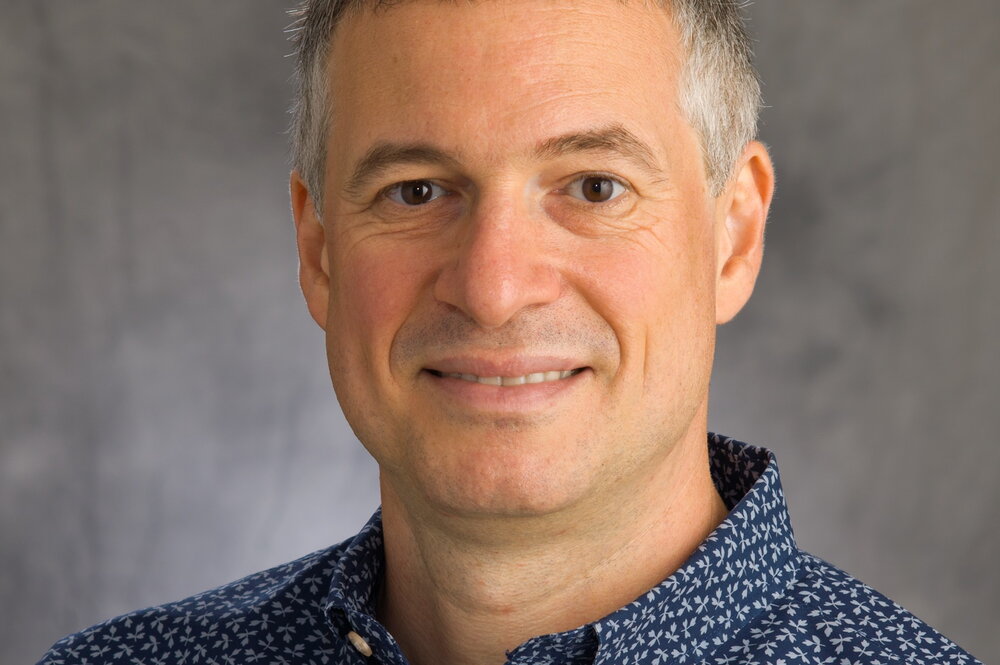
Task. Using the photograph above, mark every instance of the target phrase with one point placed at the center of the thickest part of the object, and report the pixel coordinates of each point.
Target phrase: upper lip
(512, 366)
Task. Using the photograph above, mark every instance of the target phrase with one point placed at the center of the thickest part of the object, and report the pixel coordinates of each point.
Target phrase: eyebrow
(382, 156)
(614, 138)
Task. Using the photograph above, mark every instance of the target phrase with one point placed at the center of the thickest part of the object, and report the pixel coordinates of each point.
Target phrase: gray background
(166, 422)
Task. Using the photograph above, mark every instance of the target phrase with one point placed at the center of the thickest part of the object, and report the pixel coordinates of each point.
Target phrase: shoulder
(826, 615)
(215, 621)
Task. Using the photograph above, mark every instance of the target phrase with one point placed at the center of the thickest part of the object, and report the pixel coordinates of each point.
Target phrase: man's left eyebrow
(613, 138)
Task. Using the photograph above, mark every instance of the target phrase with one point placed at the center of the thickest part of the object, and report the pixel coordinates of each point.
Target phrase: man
(519, 223)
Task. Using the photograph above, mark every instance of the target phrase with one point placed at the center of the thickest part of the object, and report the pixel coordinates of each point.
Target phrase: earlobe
(310, 238)
(740, 230)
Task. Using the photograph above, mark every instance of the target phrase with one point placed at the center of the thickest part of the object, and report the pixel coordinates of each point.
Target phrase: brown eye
(596, 188)
(415, 192)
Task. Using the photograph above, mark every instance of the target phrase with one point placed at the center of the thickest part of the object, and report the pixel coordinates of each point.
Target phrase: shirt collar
(747, 560)
(732, 576)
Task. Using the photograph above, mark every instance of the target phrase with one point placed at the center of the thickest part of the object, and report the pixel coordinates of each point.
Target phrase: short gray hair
(719, 87)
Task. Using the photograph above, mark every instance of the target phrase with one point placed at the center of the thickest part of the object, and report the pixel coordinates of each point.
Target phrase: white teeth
(536, 377)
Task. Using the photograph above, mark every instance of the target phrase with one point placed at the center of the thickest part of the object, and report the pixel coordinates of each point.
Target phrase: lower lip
(505, 399)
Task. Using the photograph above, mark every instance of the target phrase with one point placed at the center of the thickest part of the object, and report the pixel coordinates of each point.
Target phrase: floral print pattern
(746, 595)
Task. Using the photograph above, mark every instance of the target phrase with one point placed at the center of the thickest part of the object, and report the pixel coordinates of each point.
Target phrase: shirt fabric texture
(746, 595)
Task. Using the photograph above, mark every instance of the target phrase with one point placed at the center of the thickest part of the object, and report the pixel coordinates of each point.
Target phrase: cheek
(373, 291)
(657, 292)
(653, 282)
(371, 287)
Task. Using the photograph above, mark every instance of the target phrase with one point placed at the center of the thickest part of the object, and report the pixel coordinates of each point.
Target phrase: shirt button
(359, 643)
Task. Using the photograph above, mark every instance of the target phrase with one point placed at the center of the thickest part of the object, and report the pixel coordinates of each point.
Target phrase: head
(558, 197)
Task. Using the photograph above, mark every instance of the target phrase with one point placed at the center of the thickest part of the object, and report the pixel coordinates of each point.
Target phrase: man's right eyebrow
(382, 156)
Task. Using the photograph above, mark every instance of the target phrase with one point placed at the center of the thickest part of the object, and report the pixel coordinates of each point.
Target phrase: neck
(467, 593)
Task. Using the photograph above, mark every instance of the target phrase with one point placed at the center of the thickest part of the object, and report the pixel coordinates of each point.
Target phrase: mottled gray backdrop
(166, 422)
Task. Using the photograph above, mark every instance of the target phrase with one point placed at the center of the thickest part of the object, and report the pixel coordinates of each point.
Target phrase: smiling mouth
(524, 379)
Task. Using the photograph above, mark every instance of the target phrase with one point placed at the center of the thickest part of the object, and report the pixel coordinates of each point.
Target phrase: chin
(508, 481)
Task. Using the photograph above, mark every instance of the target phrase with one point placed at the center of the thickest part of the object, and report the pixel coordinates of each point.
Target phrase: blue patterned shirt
(746, 595)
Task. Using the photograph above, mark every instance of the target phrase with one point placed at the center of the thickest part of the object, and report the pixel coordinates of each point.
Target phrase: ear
(310, 237)
(740, 215)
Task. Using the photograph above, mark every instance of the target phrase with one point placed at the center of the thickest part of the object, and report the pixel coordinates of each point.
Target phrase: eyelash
(386, 193)
(604, 176)
(397, 188)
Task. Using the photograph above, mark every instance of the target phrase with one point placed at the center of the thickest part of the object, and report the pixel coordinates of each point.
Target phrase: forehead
(502, 71)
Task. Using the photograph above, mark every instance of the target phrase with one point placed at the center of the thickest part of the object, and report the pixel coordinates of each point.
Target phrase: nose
(500, 268)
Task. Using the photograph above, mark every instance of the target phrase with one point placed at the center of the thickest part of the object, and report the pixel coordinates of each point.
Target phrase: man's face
(512, 192)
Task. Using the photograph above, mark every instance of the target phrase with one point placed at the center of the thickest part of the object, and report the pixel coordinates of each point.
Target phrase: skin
(516, 511)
